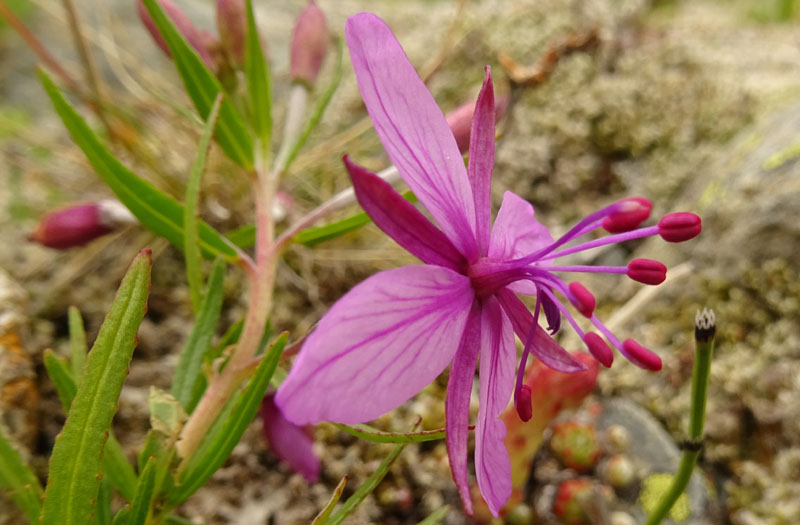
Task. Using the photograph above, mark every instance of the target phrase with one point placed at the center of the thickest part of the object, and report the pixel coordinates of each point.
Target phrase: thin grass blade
(19, 481)
(325, 513)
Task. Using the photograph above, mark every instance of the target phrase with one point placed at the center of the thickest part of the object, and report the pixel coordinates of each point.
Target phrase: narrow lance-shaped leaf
(203, 466)
(75, 464)
(258, 81)
(319, 109)
(77, 342)
(191, 247)
(191, 359)
(103, 515)
(369, 433)
(157, 211)
(19, 480)
(140, 506)
(436, 517)
(325, 513)
(115, 465)
(203, 87)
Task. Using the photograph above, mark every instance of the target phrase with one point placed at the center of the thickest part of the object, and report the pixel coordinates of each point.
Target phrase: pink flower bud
(582, 299)
(184, 25)
(523, 403)
(599, 349)
(77, 225)
(647, 271)
(460, 120)
(232, 25)
(635, 211)
(292, 444)
(679, 227)
(641, 356)
(309, 44)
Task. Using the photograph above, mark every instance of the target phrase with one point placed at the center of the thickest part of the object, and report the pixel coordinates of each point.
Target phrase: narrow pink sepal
(290, 443)
(459, 389)
(460, 120)
(641, 356)
(400, 220)
(544, 347)
(498, 359)
(516, 232)
(412, 129)
(377, 346)
(481, 161)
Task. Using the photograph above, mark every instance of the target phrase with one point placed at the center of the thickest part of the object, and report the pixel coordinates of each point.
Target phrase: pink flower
(292, 444)
(395, 332)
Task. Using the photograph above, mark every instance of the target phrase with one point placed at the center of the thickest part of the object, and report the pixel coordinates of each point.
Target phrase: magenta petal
(498, 359)
(459, 389)
(292, 444)
(516, 232)
(412, 128)
(400, 220)
(481, 160)
(377, 346)
(544, 347)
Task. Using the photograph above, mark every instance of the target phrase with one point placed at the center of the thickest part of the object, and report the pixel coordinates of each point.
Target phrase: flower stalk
(704, 331)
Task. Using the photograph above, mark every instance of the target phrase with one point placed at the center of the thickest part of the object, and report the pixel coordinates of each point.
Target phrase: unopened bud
(632, 213)
(679, 227)
(80, 224)
(232, 25)
(582, 299)
(522, 402)
(460, 120)
(599, 349)
(647, 271)
(705, 325)
(309, 44)
(641, 356)
(184, 26)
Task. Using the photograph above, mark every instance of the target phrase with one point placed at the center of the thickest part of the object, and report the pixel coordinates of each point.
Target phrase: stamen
(679, 227)
(641, 356)
(524, 404)
(625, 220)
(647, 271)
(599, 349)
(582, 299)
(603, 241)
(519, 400)
(589, 269)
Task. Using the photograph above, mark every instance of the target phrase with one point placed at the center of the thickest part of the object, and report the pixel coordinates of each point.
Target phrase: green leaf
(140, 506)
(19, 480)
(104, 498)
(325, 513)
(203, 87)
(319, 109)
(369, 485)
(318, 234)
(436, 517)
(77, 342)
(115, 465)
(203, 465)
(369, 433)
(243, 237)
(191, 360)
(258, 81)
(75, 463)
(121, 518)
(191, 247)
(154, 209)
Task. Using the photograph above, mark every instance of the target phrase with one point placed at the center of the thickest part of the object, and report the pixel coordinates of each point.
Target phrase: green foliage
(258, 81)
(19, 480)
(203, 88)
(211, 457)
(369, 433)
(75, 465)
(140, 506)
(77, 342)
(158, 212)
(436, 517)
(325, 513)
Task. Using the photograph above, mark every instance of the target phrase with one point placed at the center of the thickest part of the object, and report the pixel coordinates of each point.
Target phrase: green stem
(704, 337)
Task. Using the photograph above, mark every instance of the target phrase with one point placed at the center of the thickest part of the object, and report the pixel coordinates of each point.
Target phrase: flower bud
(647, 271)
(78, 225)
(310, 41)
(523, 403)
(599, 349)
(679, 227)
(582, 299)
(184, 26)
(641, 356)
(632, 213)
(232, 26)
(460, 120)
